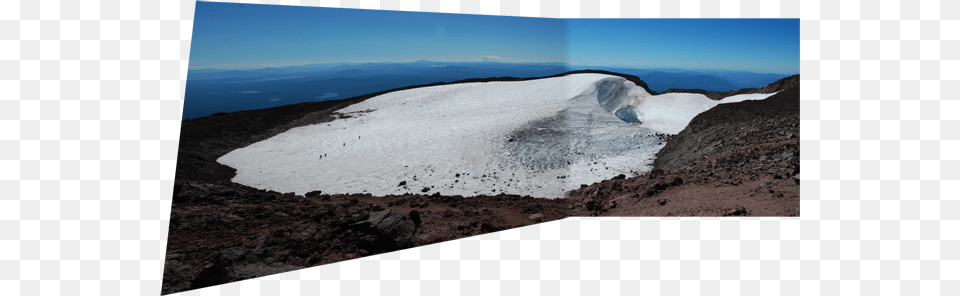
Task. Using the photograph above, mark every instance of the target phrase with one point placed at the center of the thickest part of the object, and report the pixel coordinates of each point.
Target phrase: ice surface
(670, 113)
(539, 137)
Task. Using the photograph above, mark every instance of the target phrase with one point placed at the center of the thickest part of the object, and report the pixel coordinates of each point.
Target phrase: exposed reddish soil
(738, 159)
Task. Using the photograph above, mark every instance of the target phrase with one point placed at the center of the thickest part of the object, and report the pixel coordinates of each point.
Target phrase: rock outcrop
(779, 85)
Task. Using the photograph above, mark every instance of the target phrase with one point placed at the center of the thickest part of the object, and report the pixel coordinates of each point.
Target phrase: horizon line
(568, 65)
(287, 65)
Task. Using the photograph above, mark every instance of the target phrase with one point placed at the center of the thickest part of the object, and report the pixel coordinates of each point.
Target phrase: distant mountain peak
(493, 58)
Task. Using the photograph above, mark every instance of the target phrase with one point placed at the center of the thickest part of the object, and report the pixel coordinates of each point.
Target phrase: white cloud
(493, 58)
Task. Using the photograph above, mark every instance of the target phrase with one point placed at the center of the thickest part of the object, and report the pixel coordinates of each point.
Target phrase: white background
(90, 103)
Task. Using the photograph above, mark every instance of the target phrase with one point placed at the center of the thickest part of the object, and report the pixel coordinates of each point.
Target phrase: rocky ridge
(779, 85)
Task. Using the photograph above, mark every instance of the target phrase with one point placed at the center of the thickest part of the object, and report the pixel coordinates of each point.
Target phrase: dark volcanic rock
(738, 211)
(286, 231)
(236, 264)
(176, 275)
(393, 228)
(415, 217)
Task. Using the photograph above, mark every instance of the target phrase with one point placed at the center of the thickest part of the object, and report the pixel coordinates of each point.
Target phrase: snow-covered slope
(537, 137)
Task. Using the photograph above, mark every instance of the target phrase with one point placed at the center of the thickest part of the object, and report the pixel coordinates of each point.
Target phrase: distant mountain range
(421, 67)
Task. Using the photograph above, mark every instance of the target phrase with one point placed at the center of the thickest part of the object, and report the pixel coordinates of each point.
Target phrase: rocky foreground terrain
(740, 159)
(737, 159)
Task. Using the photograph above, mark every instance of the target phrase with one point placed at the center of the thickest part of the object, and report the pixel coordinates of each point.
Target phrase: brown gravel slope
(222, 232)
(740, 159)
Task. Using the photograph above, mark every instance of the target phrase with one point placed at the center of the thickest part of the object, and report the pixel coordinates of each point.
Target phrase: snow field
(670, 113)
(562, 137)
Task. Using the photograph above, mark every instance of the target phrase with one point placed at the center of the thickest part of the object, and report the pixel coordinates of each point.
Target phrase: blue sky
(245, 36)
(753, 45)
(233, 36)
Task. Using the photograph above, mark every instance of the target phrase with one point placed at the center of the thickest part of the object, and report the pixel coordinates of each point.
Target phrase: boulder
(393, 230)
(415, 217)
(536, 217)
